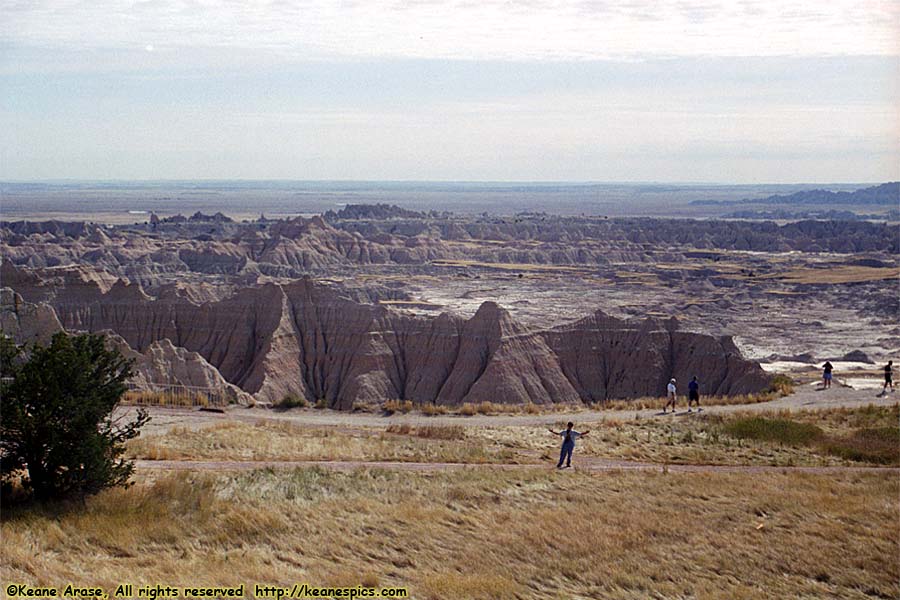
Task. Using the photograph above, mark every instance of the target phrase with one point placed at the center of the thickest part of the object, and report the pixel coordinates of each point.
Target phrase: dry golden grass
(840, 420)
(698, 439)
(478, 534)
(468, 409)
(179, 398)
(280, 440)
(685, 439)
(782, 386)
(392, 406)
(441, 262)
(430, 410)
(839, 274)
(657, 403)
(437, 432)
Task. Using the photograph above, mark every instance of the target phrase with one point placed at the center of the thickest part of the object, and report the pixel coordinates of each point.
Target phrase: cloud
(468, 30)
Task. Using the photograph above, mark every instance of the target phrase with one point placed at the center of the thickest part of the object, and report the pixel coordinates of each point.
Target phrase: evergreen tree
(56, 426)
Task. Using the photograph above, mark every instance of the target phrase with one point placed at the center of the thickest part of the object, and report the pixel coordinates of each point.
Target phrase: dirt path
(807, 398)
(582, 464)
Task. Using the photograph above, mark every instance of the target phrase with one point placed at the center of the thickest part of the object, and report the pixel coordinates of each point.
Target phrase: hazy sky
(694, 90)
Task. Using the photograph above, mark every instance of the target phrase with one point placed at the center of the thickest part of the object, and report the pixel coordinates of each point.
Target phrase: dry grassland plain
(861, 436)
(479, 533)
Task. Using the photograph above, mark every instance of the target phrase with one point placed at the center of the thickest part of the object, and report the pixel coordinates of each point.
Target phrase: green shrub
(291, 401)
(782, 431)
(880, 445)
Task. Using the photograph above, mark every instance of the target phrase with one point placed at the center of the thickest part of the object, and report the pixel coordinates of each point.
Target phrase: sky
(747, 91)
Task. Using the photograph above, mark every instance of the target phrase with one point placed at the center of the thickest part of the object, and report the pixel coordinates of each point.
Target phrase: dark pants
(566, 453)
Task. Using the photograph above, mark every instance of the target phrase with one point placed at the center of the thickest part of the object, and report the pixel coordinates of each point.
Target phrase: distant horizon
(536, 182)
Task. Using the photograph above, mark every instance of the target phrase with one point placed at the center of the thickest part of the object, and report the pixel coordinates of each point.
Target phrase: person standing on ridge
(888, 377)
(569, 436)
(827, 368)
(694, 393)
(671, 396)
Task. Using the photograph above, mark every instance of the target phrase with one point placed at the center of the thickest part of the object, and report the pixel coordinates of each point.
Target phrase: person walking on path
(671, 396)
(569, 436)
(694, 393)
(888, 377)
(827, 368)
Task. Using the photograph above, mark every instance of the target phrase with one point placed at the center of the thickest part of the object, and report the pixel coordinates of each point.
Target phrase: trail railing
(174, 395)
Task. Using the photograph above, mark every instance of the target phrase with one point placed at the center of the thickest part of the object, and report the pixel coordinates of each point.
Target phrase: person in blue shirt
(827, 368)
(694, 393)
(569, 436)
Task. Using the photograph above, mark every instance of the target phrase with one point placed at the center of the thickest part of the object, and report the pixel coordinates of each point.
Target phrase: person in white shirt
(672, 396)
(569, 436)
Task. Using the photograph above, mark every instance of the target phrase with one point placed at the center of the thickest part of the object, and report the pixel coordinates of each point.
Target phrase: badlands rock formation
(24, 322)
(344, 307)
(162, 366)
(156, 253)
(319, 342)
(605, 357)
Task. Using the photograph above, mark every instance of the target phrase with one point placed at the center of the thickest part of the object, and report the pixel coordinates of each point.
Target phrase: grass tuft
(430, 410)
(468, 409)
(393, 406)
(781, 385)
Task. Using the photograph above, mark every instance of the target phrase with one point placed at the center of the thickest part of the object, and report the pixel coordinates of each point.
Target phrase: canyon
(372, 303)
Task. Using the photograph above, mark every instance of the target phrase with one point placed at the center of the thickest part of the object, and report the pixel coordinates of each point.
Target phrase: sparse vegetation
(467, 410)
(179, 398)
(781, 385)
(878, 445)
(437, 432)
(278, 440)
(782, 431)
(839, 274)
(430, 410)
(291, 401)
(702, 439)
(393, 406)
(658, 402)
(697, 439)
